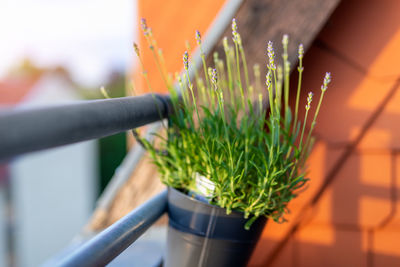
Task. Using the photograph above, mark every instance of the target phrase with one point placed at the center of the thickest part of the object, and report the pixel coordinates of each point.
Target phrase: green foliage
(237, 134)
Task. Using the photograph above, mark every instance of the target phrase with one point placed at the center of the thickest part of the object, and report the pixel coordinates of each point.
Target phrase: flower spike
(144, 26)
(271, 56)
(301, 51)
(268, 79)
(198, 38)
(214, 78)
(285, 40)
(327, 80)
(136, 48)
(234, 30)
(309, 100)
(186, 60)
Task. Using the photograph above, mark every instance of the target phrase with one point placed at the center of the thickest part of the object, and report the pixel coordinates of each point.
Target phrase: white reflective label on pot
(204, 186)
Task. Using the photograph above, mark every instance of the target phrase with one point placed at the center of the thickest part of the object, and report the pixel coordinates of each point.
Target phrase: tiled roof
(13, 90)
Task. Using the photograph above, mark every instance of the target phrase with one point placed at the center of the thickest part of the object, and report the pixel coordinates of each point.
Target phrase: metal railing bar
(108, 244)
(23, 131)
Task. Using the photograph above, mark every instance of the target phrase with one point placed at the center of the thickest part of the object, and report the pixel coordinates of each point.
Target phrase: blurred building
(48, 195)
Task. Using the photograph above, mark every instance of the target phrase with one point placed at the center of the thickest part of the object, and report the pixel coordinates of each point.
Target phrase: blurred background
(60, 51)
(54, 52)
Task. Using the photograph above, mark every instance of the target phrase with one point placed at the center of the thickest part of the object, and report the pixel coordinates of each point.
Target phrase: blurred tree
(112, 149)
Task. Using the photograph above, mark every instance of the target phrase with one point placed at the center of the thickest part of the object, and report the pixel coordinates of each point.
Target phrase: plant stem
(314, 120)
(286, 71)
(144, 73)
(300, 70)
(302, 131)
(230, 81)
(238, 75)
(153, 44)
(190, 85)
(244, 62)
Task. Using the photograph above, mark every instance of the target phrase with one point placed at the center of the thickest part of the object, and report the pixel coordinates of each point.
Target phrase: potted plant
(233, 154)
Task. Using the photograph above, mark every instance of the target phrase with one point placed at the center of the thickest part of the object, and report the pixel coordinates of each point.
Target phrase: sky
(89, 37)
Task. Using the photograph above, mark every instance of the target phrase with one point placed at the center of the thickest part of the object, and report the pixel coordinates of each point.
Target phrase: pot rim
(208, 205)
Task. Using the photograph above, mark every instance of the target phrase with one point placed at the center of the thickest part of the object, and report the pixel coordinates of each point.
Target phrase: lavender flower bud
(136, 48)
(198, 38)
(271, 56)
(214, 78)
(186, 60)
(301, 51)
(327, 80)
(234, 30)
(309, 100)
(268, 79)
(285, 40)
(144, 26)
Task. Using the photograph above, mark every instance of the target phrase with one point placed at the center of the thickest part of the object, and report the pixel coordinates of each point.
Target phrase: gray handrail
(104, 247)
(23, 131)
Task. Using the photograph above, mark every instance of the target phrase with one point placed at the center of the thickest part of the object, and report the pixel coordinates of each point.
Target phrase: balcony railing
(33, 130)
(24, 131)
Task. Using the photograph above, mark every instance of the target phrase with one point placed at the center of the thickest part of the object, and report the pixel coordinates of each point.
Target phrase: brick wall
(355, 220)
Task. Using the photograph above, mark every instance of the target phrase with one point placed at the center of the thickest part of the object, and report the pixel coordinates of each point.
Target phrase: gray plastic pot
(200, 234)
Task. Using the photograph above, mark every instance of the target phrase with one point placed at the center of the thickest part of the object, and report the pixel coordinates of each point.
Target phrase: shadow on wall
(354, 221)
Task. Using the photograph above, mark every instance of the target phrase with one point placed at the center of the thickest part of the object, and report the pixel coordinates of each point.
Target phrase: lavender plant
(237, 134)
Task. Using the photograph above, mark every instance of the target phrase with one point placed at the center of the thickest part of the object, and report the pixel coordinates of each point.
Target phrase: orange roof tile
(13, 90)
